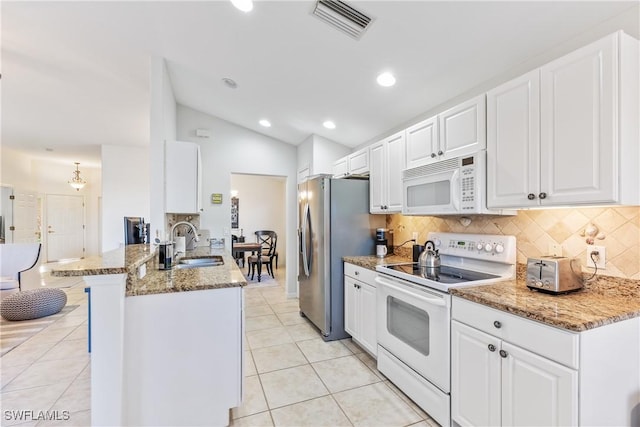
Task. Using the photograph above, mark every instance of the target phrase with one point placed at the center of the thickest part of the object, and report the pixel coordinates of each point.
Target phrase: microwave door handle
(455, 184)
(433, 301)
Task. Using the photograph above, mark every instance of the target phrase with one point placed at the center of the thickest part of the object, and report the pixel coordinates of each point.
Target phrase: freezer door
(314, 268)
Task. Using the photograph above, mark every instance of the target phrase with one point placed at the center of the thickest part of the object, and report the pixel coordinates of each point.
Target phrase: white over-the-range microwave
(455, 186)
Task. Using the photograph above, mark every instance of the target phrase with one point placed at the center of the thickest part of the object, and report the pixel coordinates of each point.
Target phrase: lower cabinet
(508, 370)
(360, 306)
(495, 383)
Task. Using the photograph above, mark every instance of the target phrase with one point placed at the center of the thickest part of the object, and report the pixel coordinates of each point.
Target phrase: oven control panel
(491, 247)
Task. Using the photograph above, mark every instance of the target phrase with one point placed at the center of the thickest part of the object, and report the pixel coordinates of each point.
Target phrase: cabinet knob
(542, 195)
(433, 155)
(531, 196)
(503, 353)
(357, 273)
(440, 153)
(497, 324)
(492, 347)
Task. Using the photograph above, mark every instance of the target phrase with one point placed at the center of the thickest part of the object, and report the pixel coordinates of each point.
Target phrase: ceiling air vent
(343, 17)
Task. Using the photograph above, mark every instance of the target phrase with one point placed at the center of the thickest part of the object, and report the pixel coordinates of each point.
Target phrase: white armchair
(16, 258)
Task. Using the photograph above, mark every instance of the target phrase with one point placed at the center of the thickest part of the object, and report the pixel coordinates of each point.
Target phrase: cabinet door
(536, 390)
(351, 306)
(395, 165)
(340, 168)
(182, 177)
(368, 337)
(377, 177)
(513, 143)
(422, 143)
(463, 128)
(359, 162)
(475, 377)
(578, 125)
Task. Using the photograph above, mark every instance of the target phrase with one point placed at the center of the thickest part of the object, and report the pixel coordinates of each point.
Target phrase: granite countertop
(604, 301)
(127, 260)
(371, 261)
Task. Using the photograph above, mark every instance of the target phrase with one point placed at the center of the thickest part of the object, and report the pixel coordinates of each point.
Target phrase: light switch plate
(600, 258)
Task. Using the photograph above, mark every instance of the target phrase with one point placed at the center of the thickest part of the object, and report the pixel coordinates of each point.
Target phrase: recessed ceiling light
(386, 79)
(266, 123)
(48, 149)
(230, 83)
(329, 124)
(243, 5)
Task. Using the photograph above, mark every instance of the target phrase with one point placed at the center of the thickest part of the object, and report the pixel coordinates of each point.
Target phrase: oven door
(413, 325)
(433, 193)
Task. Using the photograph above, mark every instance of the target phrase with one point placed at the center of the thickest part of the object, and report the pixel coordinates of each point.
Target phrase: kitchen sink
(210, 261)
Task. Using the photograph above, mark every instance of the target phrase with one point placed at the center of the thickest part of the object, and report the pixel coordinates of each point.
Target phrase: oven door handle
(419, 295)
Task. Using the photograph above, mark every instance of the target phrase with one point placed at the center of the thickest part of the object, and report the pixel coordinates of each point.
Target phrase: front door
(65, 227)
(27, 219)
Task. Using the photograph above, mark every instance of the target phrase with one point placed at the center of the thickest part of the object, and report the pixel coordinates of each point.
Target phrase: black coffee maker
(384, 236)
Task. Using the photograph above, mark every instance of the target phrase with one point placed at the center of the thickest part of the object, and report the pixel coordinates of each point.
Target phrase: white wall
(42, 176)
(325, 153)
(125, 190)
(162, 128)
(234, 149)
(261, 206)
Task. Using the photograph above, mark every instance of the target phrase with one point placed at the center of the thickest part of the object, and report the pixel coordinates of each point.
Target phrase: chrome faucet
(195, 232)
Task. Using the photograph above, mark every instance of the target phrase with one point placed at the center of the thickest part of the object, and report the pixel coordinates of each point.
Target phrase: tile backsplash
(535, 230)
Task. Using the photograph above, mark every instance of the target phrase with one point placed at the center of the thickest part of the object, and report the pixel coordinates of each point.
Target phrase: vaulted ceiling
(75, 74)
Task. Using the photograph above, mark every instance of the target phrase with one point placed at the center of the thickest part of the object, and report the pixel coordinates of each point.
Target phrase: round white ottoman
(33, 304)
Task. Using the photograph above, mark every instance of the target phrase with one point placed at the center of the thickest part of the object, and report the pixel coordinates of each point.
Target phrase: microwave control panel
(468, 188)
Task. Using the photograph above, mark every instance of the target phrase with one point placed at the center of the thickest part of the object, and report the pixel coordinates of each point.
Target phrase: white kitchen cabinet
(422, 142)
(340, 168)
(508, 370)
(462, 129)
(360, 306)
(494, 383)
(387, 160)
(566, 133)
(355, 164)
(183, 182)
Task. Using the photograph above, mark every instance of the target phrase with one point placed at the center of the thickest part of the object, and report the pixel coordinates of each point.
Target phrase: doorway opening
(258, 202)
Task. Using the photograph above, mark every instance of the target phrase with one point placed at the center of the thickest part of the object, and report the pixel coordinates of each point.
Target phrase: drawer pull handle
(503, 353)
(492, 347)
(497, 324)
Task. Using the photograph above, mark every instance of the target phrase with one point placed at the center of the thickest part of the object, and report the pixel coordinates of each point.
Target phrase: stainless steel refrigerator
(334, 221)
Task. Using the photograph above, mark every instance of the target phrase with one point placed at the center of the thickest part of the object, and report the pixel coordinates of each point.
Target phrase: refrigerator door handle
(305, 226)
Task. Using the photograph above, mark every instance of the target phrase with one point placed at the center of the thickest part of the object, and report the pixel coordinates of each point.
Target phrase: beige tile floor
(292, 377)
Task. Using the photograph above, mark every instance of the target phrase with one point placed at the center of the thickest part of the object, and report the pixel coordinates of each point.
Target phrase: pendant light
(77, 182)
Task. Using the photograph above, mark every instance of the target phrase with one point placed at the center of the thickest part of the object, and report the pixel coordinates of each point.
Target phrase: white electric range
(414, 313)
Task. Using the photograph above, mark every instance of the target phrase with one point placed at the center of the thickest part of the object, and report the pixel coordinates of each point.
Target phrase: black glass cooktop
(446, 274)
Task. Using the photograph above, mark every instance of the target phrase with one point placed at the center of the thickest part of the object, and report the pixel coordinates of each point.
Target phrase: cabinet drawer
(360, 273)
(547, 341)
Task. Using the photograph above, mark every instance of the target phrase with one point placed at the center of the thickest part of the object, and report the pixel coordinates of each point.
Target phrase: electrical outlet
(600, 258)
(414, 236)
(555, 249)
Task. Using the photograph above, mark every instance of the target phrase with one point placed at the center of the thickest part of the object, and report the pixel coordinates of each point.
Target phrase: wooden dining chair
(269, 241)
(237, 256)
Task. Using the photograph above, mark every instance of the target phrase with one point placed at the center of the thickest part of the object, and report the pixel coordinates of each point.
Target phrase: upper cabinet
(455, 132)
(387, 160)
(422, 142)
(355, 164)
(567, 133)
(183, 177)
(463, 129)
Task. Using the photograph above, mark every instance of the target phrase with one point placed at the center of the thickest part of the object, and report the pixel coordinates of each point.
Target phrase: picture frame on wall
(234, 212)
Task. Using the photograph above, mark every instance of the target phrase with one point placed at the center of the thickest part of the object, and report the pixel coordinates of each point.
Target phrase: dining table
(249, 247)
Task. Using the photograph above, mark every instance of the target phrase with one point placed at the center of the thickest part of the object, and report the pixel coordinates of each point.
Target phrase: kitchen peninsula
(166, 345)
